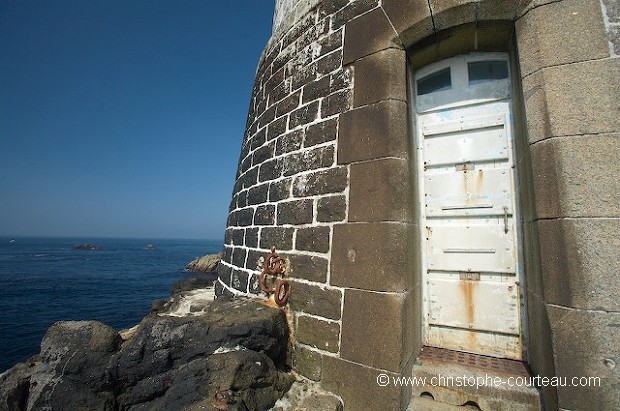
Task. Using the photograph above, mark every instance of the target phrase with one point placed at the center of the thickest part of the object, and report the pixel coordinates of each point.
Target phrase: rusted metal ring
(278, 297)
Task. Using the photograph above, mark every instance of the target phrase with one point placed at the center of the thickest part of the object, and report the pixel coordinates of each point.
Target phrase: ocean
(44, 280)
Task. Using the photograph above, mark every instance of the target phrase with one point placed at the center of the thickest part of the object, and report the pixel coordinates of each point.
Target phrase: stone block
(374, 131)
(450, 13)
(237, 236)
(380, 191)
(320, 133)
(411, 19)
(289, 142)
(313, 239)
(560, 33)
(280, 190)
(324, 335)
(307, 267)
(586, 345)
(573, 99)
(357, 386)
(304, 115)
(274, 129)
(577, 176)
(373, 256)
(239, 280)
(337, 103)
(288, 104)
(352, 10)
(316, 90)
(265, 215)
(270, 170)
(316, 300)
(372, 336)
(295, 212)
(380, 76)
(333, 180)
(580, 262)
(367, 34)
(258, 194)
(308, 160)
(329, 63)
(258, 139)
(238, 257)
(307, 362)
(280, 237)
(331, 209)
(251, 237)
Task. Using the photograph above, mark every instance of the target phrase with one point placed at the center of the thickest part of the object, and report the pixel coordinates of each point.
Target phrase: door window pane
(483, 71)
(435, 82)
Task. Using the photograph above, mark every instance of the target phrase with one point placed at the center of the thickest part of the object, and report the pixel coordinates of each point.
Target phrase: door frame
(418, 171)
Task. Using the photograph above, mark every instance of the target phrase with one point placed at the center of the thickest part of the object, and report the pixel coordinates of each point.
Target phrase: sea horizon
(45, 279)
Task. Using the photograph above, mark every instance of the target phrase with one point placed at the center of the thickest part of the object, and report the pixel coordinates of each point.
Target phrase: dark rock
(233, 351)
(194, 281)
(87, 246)
(204, 264)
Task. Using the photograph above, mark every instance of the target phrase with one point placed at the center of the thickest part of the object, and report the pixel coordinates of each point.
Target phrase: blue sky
(124, 118)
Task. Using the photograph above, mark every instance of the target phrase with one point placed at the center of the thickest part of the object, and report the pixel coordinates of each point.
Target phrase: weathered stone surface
(337, 103)
(374, 131)
(376, 337)
(352, 10)
(308, 160)
(380, 191)
(449, 13)
(577, 176)
(332, 208)
(289, 142)
(168, 363)
(324, 335)
(411, 19)
(316, 300)
(565, 32)
(581, 262)
(280, 190)
(573, 99)
(313, 239)
(333, 180)
(380, 76)
(265, 215)
(304, 115)
(320, 132)
(367, 34)
(280, 237)
(307, 362)
(311, 268)
(372, 256)
(586, 345)
(295, 212)
(358, 388)
(258, 194)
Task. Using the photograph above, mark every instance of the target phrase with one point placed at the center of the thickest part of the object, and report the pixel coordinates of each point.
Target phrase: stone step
(461, 380)
(428, 404)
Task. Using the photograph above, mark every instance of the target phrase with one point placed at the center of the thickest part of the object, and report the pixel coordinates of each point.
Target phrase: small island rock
(87, 246)
(205, 264)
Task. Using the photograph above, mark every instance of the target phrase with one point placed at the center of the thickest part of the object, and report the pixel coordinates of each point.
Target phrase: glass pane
(435, 82)
(483, 71)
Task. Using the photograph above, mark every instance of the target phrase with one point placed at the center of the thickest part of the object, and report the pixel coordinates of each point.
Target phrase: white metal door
(472, 295)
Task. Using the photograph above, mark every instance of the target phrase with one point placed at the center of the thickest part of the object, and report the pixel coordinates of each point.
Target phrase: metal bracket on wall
(279, 288)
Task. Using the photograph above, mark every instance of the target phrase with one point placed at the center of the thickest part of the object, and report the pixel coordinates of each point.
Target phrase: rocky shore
(190, 353)
(204, 264)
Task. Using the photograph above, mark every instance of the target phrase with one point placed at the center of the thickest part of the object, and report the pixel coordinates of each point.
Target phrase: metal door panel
(494, 344)
(476, 191)
(474, 305)
(477, 248)
(485, 144)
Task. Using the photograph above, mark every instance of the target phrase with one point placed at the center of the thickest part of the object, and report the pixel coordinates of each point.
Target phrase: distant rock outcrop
(229, 355)
(87, 246)
(205, 264)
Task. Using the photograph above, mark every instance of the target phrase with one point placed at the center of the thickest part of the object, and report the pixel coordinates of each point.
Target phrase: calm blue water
(43, 280)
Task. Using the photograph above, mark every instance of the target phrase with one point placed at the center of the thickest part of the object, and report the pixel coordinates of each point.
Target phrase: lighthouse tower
(441, 180)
